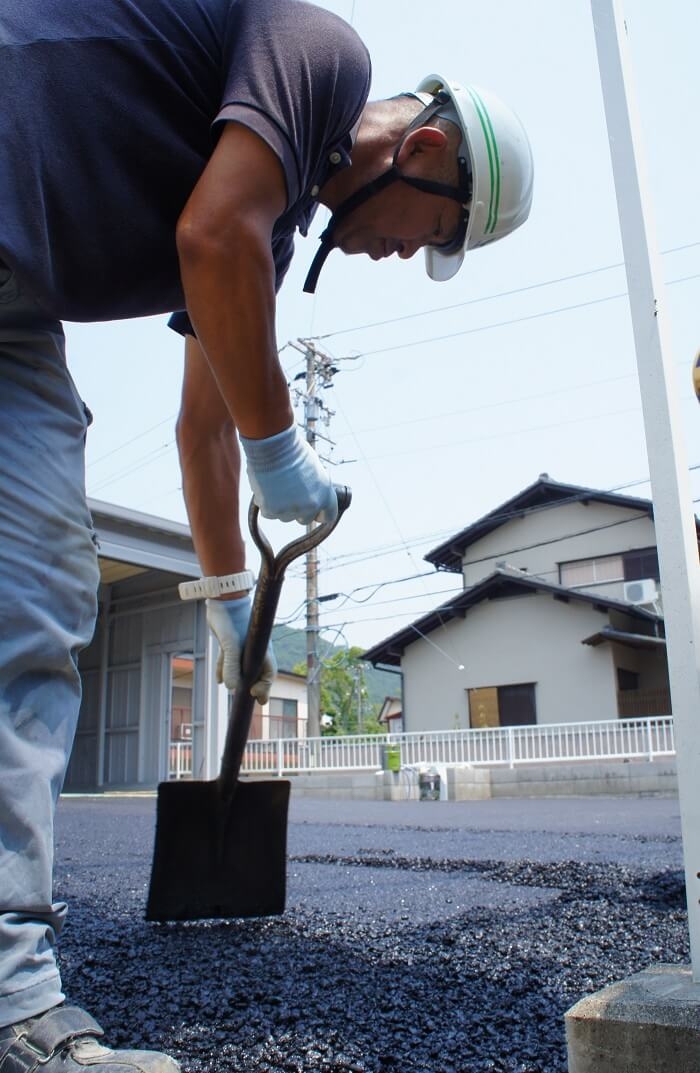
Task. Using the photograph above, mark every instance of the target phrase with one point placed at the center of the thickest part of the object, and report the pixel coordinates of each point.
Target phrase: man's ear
(422, 140)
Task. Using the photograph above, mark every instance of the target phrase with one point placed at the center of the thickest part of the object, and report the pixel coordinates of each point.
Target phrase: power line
(127, 443)
(349, 559)
(147, 460)
(443, 309)
(426, 448)
(494, 405)
(498, 294)
(513, 320)
(583, 496)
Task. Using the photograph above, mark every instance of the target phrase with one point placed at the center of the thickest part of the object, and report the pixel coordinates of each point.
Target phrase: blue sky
(452, 397)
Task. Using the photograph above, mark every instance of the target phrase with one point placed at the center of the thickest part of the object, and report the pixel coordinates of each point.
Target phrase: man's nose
(406, 249)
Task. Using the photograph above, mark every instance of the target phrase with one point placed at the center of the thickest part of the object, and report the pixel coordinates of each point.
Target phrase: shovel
(221, 845)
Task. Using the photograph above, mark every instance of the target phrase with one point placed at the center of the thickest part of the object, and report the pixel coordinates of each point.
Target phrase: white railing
(619, 739)
(180, 760)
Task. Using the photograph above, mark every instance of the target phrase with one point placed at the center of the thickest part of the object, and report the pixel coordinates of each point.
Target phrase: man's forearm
(210, 465)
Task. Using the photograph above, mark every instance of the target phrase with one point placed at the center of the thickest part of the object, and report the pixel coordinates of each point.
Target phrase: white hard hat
(500, 160)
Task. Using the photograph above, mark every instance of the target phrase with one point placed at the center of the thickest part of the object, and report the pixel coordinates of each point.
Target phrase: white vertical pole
(668, 466)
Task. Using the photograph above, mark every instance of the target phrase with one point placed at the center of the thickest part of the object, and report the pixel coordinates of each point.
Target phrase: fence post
(650, 741)
(511, 748)
(280, 757)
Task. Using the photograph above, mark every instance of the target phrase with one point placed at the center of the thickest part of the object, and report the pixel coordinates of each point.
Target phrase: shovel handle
(262, 619)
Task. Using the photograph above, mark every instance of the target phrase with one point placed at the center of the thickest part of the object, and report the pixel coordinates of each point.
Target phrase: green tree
(344, 695)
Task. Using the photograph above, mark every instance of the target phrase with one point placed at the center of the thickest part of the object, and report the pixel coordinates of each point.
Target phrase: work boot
(65, 1040)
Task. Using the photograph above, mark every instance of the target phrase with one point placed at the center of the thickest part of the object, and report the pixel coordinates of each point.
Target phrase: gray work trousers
(48, 586)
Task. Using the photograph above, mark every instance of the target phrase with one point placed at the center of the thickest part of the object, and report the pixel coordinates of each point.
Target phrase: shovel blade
(216, 857)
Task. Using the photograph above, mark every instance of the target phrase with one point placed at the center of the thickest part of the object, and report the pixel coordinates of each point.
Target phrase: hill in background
(290, 649)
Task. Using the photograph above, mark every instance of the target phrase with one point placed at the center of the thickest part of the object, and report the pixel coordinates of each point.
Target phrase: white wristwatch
(211, 587)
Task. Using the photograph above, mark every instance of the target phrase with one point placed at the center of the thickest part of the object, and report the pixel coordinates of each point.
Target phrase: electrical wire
(427, 448)
(513, 320)
(443, 309)
(147, 460)
(503, 517)
(127, 443)
(495, 405)
(498, 294)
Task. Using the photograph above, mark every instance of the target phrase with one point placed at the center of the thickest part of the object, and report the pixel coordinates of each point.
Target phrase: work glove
(229, 620)
(288, 481)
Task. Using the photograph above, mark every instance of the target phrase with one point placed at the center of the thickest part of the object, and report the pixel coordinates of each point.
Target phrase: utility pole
(674, 518)
(319, 374)
(313, 669)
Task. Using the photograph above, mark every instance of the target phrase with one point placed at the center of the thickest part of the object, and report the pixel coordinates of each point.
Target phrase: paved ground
(418, 935)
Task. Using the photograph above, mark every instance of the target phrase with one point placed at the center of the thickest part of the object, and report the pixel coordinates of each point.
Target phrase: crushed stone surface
(419, 937)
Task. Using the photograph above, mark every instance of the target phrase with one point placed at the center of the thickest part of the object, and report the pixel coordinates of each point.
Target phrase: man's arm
(210, 464)
(224, 240)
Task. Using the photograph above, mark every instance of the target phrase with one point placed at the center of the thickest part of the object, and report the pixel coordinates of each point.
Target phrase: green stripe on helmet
(494, 161)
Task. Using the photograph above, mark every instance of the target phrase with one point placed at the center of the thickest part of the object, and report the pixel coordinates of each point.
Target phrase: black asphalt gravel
(419, 936)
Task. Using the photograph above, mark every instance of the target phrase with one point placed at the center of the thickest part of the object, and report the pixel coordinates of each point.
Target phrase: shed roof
(502, 583)
(143, 541)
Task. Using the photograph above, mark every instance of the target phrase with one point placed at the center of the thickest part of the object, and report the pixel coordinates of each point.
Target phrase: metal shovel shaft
(267, 594)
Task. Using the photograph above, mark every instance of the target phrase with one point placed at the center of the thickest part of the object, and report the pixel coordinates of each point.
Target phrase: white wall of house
(546, 540)
(511, 641)
(651, 666)
(286, 687)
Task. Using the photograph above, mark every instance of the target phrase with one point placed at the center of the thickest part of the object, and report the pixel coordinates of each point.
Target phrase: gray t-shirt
(111, 110)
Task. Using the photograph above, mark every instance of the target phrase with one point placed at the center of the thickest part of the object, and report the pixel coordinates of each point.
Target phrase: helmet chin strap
(344, 209)
(375, 186)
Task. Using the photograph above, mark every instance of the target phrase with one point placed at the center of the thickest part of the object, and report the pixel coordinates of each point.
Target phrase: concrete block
(467, 784)
(476, 792)
(508, 774)
(648, 1023)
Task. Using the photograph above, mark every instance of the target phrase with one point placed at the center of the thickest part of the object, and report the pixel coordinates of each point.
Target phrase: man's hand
(288, 481)
(229, 620)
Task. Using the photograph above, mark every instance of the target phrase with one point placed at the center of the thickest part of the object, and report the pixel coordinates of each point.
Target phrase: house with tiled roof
(560, 618)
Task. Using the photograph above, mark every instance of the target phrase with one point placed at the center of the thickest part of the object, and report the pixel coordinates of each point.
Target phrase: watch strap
(211, 587)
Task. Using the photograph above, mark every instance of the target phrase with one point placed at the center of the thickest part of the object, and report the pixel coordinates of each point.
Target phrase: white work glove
(229, 621)
(288, 481)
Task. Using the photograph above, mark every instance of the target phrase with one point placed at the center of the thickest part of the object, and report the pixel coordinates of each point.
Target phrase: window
(283, 718)
(502, 706)
(591, 571)
(627, 680)
(627, 566)
(641, 563)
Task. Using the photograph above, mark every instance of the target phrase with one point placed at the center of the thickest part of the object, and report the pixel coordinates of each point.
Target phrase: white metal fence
(619, 739)
(180, 760)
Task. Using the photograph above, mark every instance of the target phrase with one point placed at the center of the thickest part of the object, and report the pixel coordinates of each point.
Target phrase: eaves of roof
(624, 637)
(500, 584)
(543, 494)
(143, 540)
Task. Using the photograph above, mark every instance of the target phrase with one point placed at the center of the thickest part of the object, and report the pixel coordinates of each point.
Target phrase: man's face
(400, 220)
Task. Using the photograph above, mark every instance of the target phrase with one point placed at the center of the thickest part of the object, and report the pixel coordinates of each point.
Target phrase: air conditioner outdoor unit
(641, 592)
